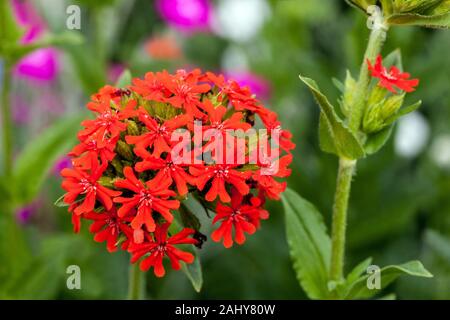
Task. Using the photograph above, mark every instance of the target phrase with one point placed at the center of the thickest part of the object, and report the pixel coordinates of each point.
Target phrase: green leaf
(338, 84)
(309, 244)
(413, 19)
(360, 290)
(194, 271)
(405, 110)
(335, 136)
(10, 32)
(124, 79)
(361, 4)
(358, 270)
(38, 156)
(377, 140)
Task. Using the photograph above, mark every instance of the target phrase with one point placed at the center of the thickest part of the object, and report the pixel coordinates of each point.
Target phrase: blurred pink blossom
(61, 163)
(114, 72)
(186, 15)
(41, 64)
(24, 214)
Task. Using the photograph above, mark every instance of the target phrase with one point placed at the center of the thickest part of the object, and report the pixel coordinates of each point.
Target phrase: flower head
(392, 78)
(144, 154)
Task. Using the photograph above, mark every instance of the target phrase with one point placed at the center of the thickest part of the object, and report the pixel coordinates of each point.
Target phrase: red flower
(90, 148)
(240, 97)
(158, 135)
(79, 182)
(244, 218)
(270, 120)
(167, 170)
(220, 174)
(107, 226)
(108, 124)
(149, 197)
(393, 77)
(186, 91)
(151, 88)
(160, 246)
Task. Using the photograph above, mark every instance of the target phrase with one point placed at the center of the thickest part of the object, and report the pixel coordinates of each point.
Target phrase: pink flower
(185, 15)
(41, 64)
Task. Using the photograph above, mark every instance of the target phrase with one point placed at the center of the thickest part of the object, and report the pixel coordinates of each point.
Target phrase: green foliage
(359, 289)
(10, 32)
(124, 79)
(309, 244)
(334, 136)
(413, 19)
(192, 271)
(38, 156)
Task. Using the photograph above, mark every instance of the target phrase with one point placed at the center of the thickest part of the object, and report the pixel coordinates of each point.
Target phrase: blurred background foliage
(400, 203)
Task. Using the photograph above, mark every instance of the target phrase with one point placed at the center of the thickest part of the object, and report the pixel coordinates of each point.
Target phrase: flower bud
(379, 114)
(124, 150)
(132, 128)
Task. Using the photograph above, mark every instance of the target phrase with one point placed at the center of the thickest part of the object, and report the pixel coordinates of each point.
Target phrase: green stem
(136, 283)
(344, 180)
(6, 119)
(376, 40)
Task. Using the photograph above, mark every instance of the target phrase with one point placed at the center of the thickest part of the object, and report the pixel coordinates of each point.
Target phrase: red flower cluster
(392, 78)
(127, 180)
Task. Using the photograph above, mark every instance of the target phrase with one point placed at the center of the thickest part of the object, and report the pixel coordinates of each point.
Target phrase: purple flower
(258, 85)
(41, 64)
(114, 72)
(186, 15)
(24, 214)
(62, 163)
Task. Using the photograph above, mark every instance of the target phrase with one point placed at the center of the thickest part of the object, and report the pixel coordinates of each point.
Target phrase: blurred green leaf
(412, 19)
(48, 40)
(10, 32)
(361, 4)
(124, 79)
(38, 156)
(438, 243)
(309, 243)
(360, 290)
(334, 136)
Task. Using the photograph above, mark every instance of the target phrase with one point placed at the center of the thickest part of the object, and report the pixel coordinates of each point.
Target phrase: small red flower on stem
(243, 218)
(107, 226)
(159, 246)
(392, 78)
(151, 196)
(220, 174)
(78, 182)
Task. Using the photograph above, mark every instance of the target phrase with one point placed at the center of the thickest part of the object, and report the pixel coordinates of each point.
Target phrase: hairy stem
(376, 40)
(343, 184)
(136, 283)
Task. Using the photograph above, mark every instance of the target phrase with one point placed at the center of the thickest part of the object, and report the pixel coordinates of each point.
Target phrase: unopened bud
(124, 150)
(132, 128)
